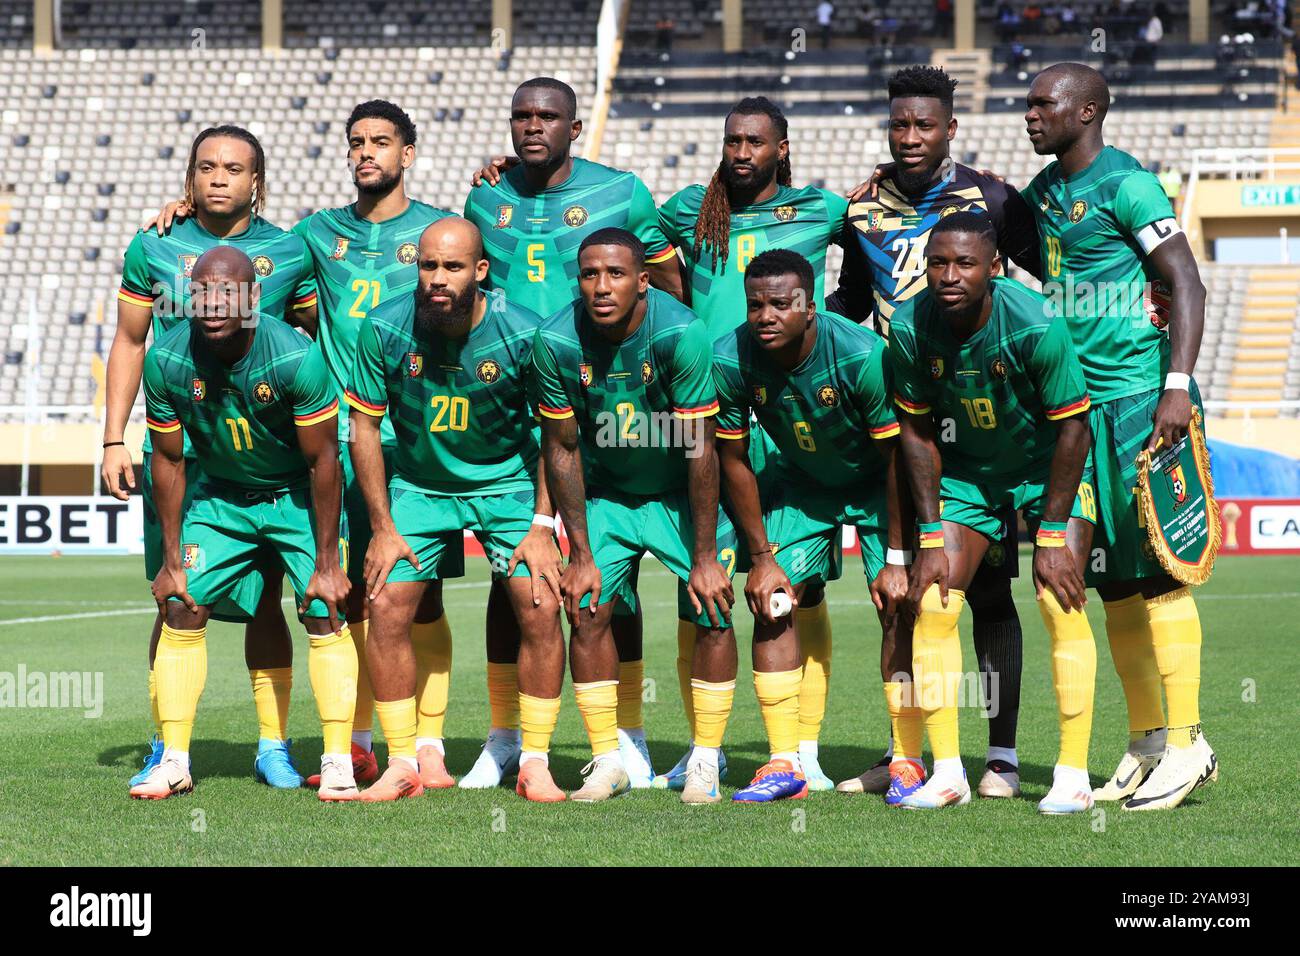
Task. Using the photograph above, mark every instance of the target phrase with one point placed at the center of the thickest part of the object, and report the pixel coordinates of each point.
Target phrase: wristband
(546, 521)
(1178, 380)
(931, 534)
(111, 444)
(1051, 534)
(895, 556)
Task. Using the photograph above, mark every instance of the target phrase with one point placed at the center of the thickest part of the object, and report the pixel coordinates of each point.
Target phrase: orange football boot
(433, 769)
(398, 781)
(535, 783)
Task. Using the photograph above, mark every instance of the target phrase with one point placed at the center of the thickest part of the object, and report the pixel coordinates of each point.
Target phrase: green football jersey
(996, 395)
(532, 238)
(241, 419)
(360, 264)
(826, 415)
(156, 271)
(460, 407)
(629, 398)
(1096, 228)
(805, 220)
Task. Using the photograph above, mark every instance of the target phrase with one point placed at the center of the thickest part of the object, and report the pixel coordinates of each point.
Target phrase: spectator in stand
(825, 12)
(664, 34)
(1009, 22)
(1152, 34)
(943, 17)
(1032, 17)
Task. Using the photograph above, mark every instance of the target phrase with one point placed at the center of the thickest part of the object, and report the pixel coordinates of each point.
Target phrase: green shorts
(803, 526)
(429, 523)
(1120, 428)
(622, 528)
(249, 590)
(230, 536)
(451, 559)
(983, 506)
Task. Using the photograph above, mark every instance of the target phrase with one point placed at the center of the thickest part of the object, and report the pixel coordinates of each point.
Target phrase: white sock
(527, 755)
(435, 742)
(409, 761)
(1007, 754)
(345, 759)
(706, 756)
(791, 756)
(808, 748)
(1070, 777)
(505, 733)
(181, 757)
(632, 733)
(363, 739)
(889, 751)
(612, 756)
(947, 768)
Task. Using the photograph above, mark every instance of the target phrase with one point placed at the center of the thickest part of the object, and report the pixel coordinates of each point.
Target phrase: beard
(755, 183)
(430, 320)
(384, 184)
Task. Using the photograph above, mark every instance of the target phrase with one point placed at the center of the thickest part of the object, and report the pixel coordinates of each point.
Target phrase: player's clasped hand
(176, 209)
(710, 592)
(1172, 419)
(491, 173)
(763, 580)
(330, 586)
(171, 583)
(579, 579)
(539, 553)
(889, 589)
(1057, 570)
(930, 567)
(118, 472)
(386, 549)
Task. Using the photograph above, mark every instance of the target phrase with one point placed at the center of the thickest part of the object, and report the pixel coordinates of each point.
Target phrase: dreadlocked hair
(713, 224)
(259, 163)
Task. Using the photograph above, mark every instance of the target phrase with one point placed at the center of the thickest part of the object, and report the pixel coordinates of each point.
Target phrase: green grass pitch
(63, 776)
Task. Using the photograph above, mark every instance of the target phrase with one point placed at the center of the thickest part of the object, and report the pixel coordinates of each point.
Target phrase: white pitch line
(77, 617)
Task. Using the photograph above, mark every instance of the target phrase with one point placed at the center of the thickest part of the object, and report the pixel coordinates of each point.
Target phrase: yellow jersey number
(981, 413)
(746, 249)
(449, 413)
(236, 425)
(803, 435)
(364, 288)
(538, 271)
(1053, 255)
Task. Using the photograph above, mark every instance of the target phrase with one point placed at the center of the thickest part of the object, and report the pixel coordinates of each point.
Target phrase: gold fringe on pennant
(1192, 574)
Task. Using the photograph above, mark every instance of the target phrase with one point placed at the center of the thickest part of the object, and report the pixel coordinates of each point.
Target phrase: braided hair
(259, 163)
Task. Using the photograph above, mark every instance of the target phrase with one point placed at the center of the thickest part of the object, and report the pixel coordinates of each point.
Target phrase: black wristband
(110, 444)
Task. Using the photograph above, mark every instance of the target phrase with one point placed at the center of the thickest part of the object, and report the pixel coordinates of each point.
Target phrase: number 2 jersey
(241, 420)
(460, 407)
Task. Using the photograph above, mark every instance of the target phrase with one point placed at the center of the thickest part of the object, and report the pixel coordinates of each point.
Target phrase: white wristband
(546, 521)
(1178, 380)
(894, 556)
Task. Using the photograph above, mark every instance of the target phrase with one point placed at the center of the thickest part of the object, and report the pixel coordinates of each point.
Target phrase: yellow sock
(432, 645)
(1074, 676)
(537, 718)
(686, 661)
(153, 703)
(332, 665)
(1176, 638)
(397, 719)
(1128, 629)
(712, 705)
(906, 719)
(814, 627)
(778, 702)
(630, 676)
(598, 704)
(180, 668)
(363, 718)
(504, 696)
(936, 669)
(271, 690)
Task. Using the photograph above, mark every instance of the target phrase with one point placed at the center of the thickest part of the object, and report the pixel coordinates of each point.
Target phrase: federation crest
(340, 248)
(575, 216)
(1078, 210)
(999, 370)
(996, 555)
(827, 396)
(584, 375)
(407, 253)
(198, 389)
(760, 394)
(947, 211)
(189, 556)
(1177, 479)
(936, 367)
(414, 364)
(488, 371)
(263, 266)
(874, 218)
(647, 373)
(263, 394)
(505, 214)
(187, 261)
(784, 213)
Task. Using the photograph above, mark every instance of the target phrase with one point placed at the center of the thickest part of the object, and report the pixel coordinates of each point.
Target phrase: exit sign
(1271, 195)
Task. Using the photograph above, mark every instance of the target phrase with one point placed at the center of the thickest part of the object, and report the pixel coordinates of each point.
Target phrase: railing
(1227, 162)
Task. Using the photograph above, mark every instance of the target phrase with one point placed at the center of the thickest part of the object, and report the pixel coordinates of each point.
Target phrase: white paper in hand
(780, 604)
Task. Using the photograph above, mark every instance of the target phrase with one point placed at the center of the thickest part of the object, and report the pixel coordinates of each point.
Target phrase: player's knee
(181, 618)
(992, 605)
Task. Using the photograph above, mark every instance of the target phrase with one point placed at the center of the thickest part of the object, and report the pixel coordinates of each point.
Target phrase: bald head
(452, 265)
(1079, 83)
(224, 293)
(1067, 105)
(223, 263)
(453, 233)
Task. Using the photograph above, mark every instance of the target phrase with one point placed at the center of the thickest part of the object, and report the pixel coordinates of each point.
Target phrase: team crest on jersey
(263, 266)
(575, 216)
(1077, 210)
(263, 394)
(759, 394)
(784, 213)
(414, 364)
(189, 556)
(827, 396)
(505, 214)
(936, 367)
(647, 373)
(407, 253)
(1177, 483)
(874, 218)
(340, 248)
(488, 371)
(187, 263)
(198, 389)
(996, 555)
(947, 211)
(999, 370)
(584, 375)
